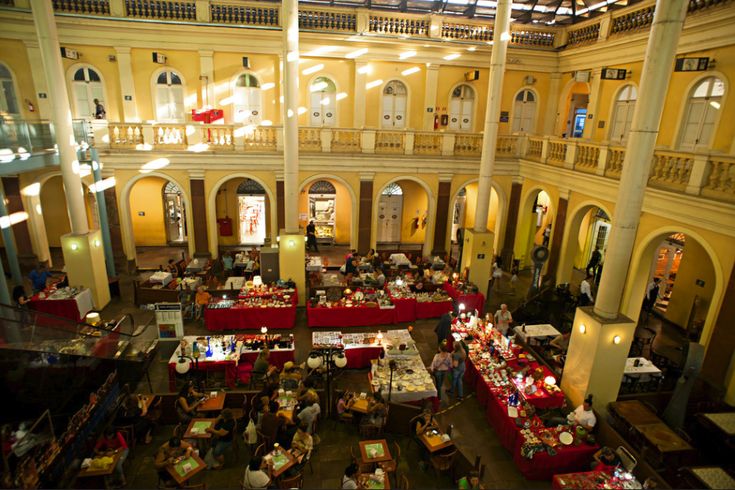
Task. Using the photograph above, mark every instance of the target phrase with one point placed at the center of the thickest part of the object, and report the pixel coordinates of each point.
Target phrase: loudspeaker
(245, 62)
(269, 269)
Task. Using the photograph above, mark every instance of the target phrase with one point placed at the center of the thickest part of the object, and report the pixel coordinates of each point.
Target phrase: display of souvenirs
(327, 340)
(265, 296)
(229, 347)
(400, 289)
(361, 298)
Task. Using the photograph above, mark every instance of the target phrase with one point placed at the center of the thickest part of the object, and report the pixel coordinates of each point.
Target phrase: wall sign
(429, 109)
(42, 95)
(480, 256)
(159, 58)
(613, 73)
(504, 116)
(71, 54)
(141, 213)
(128, 97)
(691, 64)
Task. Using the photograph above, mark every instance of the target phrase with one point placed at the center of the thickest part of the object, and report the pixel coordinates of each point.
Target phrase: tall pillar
(290, 10)
(432, 83)
(360, 75)
(113, 221)
(206, 71)
(552, 106)
(39, 79)
(477, 252)
(719, 362)
(593, 107)
(199, 214)
(511, 223)
(127, 85)
(20, 230)
(99, 194)
(83, 254)
(558, 234)
(597, 353)
(366, 212)
(442, 217)
(11, 250)
(280, 203)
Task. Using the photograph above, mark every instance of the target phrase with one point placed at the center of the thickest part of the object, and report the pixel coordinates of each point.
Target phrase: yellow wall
(341, 72)
(147, 196)
(97, 57)
(471, 208)
(583, 238)
(414, 198)
(608, 92)
(343, 210)
(449, 78)
(512, 84)
(227, 66)
(14, 55)
(55, 214)
(527, 233)
(695, 264)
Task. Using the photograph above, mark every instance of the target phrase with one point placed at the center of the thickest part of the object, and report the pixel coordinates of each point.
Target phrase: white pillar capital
(367, 176)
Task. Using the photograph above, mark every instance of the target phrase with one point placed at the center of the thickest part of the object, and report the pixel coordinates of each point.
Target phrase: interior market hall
(367, 244)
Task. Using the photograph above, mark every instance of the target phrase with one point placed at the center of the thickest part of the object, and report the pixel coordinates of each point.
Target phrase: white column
(432, 81)
(39, 79)
(359, 94)
(492, 114)
(290, 114)
(660, 53)
(206, 69)
(48, 41)
(552, 106)
(593, 106)
(127, 85)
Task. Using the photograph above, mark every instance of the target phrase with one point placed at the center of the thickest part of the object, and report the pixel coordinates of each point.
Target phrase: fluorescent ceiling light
(356, 53)
(407, 54)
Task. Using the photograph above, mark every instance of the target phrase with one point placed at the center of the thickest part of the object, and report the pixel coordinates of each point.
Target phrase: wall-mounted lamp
(97, 243)
(582, 328)
(616, 339)
(74, 246)
(291, 244)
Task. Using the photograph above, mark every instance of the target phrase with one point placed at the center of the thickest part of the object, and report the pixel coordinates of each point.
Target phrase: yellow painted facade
(146, 203)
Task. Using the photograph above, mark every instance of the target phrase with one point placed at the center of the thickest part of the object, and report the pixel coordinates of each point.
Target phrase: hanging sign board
(691, 64)
(170, 321)
(613, 73)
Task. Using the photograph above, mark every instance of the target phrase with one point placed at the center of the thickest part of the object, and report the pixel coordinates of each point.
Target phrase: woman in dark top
(19, 296)
(223, 429)
(131, 413)
(188, 401)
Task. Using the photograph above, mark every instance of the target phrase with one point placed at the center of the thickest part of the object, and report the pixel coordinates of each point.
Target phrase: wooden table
(95, 476)
(382, 452)
(196, 429)
(371, 480)
(213, 403)
(634, 412)
(360, 405)
(185, 469)
(711, 477)
(283, 461)
(663, 438)
(433, 441)
(286, 405)
(725, 422)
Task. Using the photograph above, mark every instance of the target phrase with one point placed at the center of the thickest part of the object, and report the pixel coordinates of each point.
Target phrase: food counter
(224, 356)
(411, 381)
(270, 306)
(608, 477)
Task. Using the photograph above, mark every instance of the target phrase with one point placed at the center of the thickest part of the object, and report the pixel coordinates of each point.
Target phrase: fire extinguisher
(436, 121)
(32, 108)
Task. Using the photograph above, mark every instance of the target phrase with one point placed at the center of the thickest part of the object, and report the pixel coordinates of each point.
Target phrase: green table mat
(179, 467)
(375, 447)
(279, 461)
(198, 427)
(371, 483)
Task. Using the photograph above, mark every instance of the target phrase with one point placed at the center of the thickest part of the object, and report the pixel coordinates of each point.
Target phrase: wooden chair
(390, 467)
(402, 482)
(443, 462)
(260, 451)
(357, 459)
(370, 431)
(296, 481)
(267, 440)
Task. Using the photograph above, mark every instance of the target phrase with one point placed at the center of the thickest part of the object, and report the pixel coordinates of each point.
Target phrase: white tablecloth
(314, 264)
(399, 259)
(84, 302)
(234, 282)
(725, 421)
(161, 276)
(407, 387)
(534, 331)
(644, 367)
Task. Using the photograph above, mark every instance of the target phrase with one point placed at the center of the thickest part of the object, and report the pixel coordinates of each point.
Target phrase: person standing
(440, 366)
(444, 328)
(594, 261)
(547, 235)
(503, 319)
(39, 276)
(652, 294)
(311, 237)
(99, 110)
(459, 356)
(585, 291)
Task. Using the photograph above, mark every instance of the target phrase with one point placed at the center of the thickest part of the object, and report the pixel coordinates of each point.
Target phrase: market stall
(222, 353)
(613, 478)
(410, 381)
(255, 307)
(411, 305)
(466, 294)
(512, 387)
(361, 348)
(71, 303)
(347, 308)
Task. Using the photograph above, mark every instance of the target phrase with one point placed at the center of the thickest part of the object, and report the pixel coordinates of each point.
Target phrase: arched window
(524, 112)
(250, 187)
(86, 87)
(461, 106)
(169, 97)
(622, 115)
(395, 100)
(247, 97)
(322, 187)
(323, 102)
(700, 115)
(392, 190)
(8, 100)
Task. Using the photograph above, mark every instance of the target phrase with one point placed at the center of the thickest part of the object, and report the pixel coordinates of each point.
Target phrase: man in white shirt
(503, 319)
(584, 416)
(309, 414)
(255, 477)
(585, 292)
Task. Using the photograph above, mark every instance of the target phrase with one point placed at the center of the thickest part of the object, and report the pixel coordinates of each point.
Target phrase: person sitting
(257, 474)
(309, 415)
(380, 278)
(290, 377)
(133, 412)
(223, 430)
(286, 433)
(470, 482)
(270, 421)
(110, 443)
(349, 479)
(424, 421)
(561, 342)
(583, 414)
(188, 401)
(605, 457)
(202, 300)
(370, 255)
(171, 268)
(262, 368)
(344, 404)
(167, 455)
(302, 443)
(307, 394)
(377, 412)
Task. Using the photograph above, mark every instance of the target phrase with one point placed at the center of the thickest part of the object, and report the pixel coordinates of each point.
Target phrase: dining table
(279, 460)
(374, 481)
(185, 469)
(711, 477)
(638, 366)
(435, 440)
(93, 474)
(375, 451)
(215, 402)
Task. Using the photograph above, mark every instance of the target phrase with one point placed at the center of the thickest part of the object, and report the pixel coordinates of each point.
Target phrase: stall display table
(239, 315)
(405, 309)
(161, 277)
(227, 363)
(67, 303)
(644, 367)
(148, 293)
(533, 332)
(314, 264)
(411, 381)
(235, 282)
(471, 301)
(361, 348)
(343, 316)
(432, 309)
(595, 479)
(711, 477)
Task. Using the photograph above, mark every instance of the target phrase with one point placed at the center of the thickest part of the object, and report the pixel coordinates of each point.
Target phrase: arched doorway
(417, 208)
(689, 281)
(464, 207)
(395, 105)
(524, 112)
(247, 99)
(86, 87)
(622, 113)
(701, 113)
(461, 108)
(574, 109)
(175, 214)
(323, 95)
(588, 228)
(535, 217)
(8, 98)
(242, 210)
(157, 222)
(390, 214)
(327, 202)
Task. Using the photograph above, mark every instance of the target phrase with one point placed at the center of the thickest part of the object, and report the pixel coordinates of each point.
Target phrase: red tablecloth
(471, 301)
(349, 317)
(586, 479)
(405, 309)
(432, 309)
(249, 318)
(65, 308)
(278, 357)
(359, 357)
